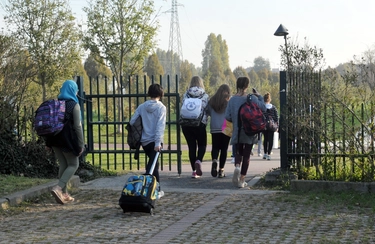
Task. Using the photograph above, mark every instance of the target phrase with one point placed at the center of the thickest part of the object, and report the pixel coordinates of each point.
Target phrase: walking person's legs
(215, 152)
(68, 165)
(201, 136)
(192, 146)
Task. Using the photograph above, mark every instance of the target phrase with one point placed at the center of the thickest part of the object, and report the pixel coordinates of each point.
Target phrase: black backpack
(135, 135)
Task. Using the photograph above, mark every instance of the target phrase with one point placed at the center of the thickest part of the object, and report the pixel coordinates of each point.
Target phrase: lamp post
(283, 31)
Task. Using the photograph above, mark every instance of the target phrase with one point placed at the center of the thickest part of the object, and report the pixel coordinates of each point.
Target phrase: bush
(32, 159)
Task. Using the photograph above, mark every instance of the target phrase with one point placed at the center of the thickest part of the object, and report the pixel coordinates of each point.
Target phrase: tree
(121, 32)
(260, 63)
(304, 57)
(95, 67)
(239, 71)
(153, 67)
(47, 29)
(185, 77)
(215, 59)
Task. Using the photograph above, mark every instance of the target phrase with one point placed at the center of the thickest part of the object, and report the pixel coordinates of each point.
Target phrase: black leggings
(267, 141)
(220, 144)
(195, 136)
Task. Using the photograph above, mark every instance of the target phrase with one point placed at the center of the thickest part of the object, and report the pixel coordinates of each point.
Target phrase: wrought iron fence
(326, 140)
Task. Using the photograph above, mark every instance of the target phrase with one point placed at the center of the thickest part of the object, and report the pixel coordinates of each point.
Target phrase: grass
(10, 184)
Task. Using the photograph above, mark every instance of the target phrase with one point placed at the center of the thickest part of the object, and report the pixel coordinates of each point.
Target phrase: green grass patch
(11, 184)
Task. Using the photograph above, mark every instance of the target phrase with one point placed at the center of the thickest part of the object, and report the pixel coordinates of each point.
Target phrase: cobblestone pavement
(190, 212)
(205, 210)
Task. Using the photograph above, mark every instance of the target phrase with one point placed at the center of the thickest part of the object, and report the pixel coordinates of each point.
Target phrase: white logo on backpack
(191, 108)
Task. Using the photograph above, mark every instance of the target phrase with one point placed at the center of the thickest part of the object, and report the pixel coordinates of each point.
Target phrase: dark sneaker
(214, 168)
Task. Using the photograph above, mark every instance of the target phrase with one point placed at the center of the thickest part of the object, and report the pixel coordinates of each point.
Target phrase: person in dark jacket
(267, 134)
(67, 147)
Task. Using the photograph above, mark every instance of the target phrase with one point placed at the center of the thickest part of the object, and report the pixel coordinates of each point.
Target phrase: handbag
(271, 124)
(227, 128)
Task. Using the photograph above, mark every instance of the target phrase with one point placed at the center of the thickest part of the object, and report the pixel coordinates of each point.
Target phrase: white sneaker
(259, 155)
(268, 157)
(236, 176)
(233, 160)
(160, 194)
(242, 184)
(265, 156)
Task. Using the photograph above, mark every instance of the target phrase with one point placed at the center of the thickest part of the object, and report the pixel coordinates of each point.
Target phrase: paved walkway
(204, 210)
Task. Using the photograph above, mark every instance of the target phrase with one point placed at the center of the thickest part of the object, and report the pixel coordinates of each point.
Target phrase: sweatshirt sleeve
(78, 124)
(160, 126)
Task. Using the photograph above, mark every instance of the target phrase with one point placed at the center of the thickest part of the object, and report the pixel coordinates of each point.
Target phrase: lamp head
(281, 31)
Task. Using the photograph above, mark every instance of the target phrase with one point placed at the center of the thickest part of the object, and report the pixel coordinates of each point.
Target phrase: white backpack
(191, 108)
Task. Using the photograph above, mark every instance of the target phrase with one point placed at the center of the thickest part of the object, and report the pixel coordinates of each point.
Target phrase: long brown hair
(219, 101)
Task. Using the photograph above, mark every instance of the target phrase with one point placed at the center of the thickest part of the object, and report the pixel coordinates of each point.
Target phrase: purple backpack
(50, 117)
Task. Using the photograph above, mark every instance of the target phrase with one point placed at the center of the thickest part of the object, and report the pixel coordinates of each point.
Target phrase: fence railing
(327, 140)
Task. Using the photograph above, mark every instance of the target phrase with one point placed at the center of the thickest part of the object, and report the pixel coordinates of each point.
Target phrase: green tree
(121, 32)
(153, 67)
(215, 60)
(239, 71)
(185, 77)
(261, 63)
(95, 67)
(48, 31)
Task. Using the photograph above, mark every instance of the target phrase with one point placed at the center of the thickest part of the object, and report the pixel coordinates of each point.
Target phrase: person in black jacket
(267, 134)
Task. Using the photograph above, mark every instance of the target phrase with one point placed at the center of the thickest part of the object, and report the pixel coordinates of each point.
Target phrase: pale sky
(342, 28)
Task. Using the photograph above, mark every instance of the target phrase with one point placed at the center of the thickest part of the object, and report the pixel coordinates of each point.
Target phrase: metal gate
(109, 106)
(331, 138)
(299, 107)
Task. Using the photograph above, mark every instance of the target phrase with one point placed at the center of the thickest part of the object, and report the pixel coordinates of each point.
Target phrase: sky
(342, 28)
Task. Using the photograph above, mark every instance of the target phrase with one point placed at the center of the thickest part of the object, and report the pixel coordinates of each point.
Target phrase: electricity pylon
(174, 49)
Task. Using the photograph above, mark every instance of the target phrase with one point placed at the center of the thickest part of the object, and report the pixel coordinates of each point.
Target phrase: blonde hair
(196, 81)
(267, 97)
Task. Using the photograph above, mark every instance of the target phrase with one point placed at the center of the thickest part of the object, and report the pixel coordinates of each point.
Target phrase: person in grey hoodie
(196, 136)
(153, 113)
(243, 143)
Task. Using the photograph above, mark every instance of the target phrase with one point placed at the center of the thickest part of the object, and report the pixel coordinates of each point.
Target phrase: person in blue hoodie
(67, 146)
(153, 113)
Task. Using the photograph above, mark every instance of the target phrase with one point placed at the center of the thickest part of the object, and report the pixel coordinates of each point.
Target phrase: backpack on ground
(49, 118)
(251, 117)
(191, 111)
(135, 135)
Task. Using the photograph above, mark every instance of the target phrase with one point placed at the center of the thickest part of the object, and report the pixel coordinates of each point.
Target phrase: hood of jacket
(195, 91)
(269, 105)
(151, 105)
